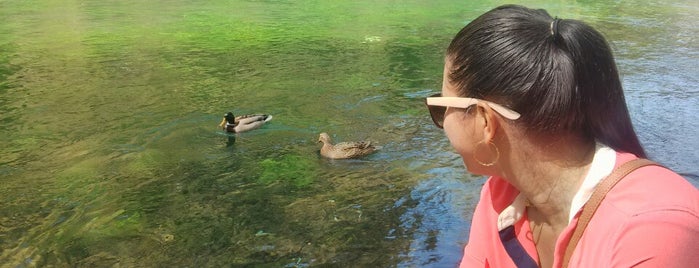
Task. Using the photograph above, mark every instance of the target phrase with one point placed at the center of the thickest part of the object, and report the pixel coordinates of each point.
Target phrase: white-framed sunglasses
(437, 105)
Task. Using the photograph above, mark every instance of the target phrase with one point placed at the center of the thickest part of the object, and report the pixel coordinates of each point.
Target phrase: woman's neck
(549, 171)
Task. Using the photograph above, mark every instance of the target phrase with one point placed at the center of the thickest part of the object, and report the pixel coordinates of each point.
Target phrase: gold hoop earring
(497, 153)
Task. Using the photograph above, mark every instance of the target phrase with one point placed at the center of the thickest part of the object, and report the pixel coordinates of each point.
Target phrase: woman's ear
(488, 122)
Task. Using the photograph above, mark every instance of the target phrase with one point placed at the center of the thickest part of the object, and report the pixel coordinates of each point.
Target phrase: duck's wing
(250, 118)
(242, 127)
(354, 146)
(245, 116)
(251, 122)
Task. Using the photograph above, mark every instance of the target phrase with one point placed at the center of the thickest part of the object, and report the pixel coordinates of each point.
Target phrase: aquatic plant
(292, 169)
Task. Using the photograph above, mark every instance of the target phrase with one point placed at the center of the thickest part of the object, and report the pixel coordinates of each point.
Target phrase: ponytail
(604, 105)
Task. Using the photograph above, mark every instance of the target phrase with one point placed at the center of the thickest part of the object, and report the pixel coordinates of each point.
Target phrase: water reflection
(230, 140)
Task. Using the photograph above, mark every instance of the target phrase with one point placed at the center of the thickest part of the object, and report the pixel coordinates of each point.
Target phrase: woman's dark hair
(558, 74)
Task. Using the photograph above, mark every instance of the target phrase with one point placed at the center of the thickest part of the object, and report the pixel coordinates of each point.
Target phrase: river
(110, 153)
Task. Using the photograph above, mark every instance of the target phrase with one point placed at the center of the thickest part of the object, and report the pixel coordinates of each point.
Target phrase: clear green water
(110, 155)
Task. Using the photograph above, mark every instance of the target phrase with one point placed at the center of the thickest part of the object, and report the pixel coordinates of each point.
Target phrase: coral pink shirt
(649, 219)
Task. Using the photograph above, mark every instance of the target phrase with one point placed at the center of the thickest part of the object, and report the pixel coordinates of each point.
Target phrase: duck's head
(229, 117)
(324, 138)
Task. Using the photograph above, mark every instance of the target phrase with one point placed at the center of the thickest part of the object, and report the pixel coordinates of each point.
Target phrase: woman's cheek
(457, 138)
(463, 144)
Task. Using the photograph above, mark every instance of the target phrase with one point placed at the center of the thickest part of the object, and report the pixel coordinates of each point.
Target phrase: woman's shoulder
(651, 189)
(651, 208)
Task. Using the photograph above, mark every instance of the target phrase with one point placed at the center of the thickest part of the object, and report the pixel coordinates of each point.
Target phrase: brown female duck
(344, 150)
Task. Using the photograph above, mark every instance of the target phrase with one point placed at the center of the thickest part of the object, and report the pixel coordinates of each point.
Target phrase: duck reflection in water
(231, 141)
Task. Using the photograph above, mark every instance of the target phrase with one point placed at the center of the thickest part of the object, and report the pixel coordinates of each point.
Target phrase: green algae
(291, 169)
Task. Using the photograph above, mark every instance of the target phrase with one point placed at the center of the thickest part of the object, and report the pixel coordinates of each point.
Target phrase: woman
(536, 103)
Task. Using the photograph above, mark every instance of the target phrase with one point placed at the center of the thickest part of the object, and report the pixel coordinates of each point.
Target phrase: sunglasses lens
(437, 113)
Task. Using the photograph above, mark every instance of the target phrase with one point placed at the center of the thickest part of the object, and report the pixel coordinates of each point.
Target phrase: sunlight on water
(110, 154)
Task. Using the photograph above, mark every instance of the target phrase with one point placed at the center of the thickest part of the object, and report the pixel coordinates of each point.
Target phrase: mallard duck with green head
(343, 150)
(231, 123)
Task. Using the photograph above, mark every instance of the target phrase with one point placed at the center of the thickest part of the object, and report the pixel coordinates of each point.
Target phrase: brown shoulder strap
(597, 196)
